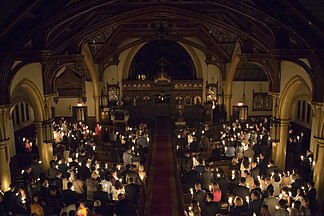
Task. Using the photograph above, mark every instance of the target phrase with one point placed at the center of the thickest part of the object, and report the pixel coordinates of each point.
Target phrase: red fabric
(161, 197)
(217, 196)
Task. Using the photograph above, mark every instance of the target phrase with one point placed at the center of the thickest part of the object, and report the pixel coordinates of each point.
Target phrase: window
(17, 114)
(298, 110)
(27, 112)
(303, 111)
(309, 112)
(22, 110)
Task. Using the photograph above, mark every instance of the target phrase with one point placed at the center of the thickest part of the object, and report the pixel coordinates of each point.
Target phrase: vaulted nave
(178, 101)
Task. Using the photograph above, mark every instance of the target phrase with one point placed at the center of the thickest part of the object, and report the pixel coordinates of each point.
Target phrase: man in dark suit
(263, 164)
(70, 198)
(211, 208)
(132, 191)
(200, 195)
(311, 196)
(101, 195)
(207, 178)
(191, 177)
(255, 204)
(255, 171)
(298, 183)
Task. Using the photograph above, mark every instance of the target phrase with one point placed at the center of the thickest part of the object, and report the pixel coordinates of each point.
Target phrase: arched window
(303, 112)
(22, 110)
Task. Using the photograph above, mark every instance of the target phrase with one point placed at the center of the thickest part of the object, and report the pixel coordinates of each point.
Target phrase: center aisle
(162, 198)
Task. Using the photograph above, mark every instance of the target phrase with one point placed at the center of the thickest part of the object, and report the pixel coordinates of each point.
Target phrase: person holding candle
(238, 209)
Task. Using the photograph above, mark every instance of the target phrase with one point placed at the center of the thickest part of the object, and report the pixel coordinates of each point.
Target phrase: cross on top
(162, 64)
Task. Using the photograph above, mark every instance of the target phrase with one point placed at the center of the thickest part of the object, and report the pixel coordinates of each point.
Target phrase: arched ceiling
(63, 27)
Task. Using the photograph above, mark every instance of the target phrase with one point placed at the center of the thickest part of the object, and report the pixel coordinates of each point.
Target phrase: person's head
(210, 197)
(131, 180)
(197, 186)
(305, 202)
(242, 181)
(53, 191)
(69, 185)
(216, 187)
(140, 168)
(270, 192)
(238, 201)
(255, 195)
(35, 198)
(282, 203)
(296, 204)
(121, 196)
(310, 184)
(118, 185)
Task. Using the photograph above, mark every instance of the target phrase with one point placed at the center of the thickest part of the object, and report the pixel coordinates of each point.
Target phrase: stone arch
(32, 96)
(128, 60)
(289, 95)
(135, 49)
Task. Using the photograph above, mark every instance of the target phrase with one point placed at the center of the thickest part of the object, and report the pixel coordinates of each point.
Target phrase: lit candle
(39, 162)
(191, 191)
(302, 157)
(106, 166)
(179, 136)
(250, 160)
(247, 198)
(202, 132)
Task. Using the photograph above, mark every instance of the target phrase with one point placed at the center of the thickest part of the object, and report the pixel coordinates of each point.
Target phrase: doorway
(162, 105)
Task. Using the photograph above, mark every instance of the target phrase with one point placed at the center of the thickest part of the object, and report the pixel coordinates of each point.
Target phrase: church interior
(161, 107)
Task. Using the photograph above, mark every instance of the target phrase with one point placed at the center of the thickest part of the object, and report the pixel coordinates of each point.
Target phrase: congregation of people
(228, 170)
(82, 180)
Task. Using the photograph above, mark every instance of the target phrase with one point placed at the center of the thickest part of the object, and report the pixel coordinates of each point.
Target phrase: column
(228, 105)
(45, 149)
(317, 118)
(318, 168)
(4, 147)
(281, 148)
(274, 124)
(96, 107)
(4, 164)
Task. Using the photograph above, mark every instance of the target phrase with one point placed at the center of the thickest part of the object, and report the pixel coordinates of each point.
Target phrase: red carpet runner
(163, 191)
